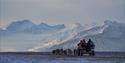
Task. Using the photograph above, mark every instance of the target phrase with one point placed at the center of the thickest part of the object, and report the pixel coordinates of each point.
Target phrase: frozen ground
(48, 58)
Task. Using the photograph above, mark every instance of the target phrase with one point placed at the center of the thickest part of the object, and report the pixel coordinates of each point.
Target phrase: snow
(110, 33)
(20, 26)
(20, 58)
(29, 27)
(46, 45)
(108, 37)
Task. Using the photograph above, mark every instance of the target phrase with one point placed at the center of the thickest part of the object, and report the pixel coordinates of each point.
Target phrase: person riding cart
(81, 47)
(84, 47)
(90, 45)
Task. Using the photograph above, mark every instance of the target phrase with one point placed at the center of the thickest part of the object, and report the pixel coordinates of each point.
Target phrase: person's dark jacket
(90, 44)
(82, 44)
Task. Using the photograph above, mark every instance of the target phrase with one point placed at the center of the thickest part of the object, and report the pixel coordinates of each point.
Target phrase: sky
(61, 11)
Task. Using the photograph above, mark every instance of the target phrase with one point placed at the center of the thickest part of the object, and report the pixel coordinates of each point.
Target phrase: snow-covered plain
(37, 58)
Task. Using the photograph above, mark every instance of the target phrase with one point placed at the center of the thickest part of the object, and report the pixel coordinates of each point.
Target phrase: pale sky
(61, 11)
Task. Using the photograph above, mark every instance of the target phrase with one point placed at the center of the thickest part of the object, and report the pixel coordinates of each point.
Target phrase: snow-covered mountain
(69, 32)
(20, 26)
(76, 28)
(27, 34)
(1, 30)
(45, 28)
(26, 26)
(108, 37)
(112, 38)
(60, 37)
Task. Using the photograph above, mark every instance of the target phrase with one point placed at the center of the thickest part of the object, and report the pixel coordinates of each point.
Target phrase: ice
(23, 58)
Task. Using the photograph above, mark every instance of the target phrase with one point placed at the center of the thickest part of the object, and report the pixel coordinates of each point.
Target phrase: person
(90, 45)
(81, 47)
(82, 44)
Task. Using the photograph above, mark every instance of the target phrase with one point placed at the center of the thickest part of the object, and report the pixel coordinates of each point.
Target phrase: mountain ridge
(26, 26)
(107, 40)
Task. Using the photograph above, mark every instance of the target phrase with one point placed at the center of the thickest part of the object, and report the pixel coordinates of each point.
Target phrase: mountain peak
(22, 22)
(76, 25)
(108, 22)
(25, 21)
(29, 27)
(44, 24)
(20, 25)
